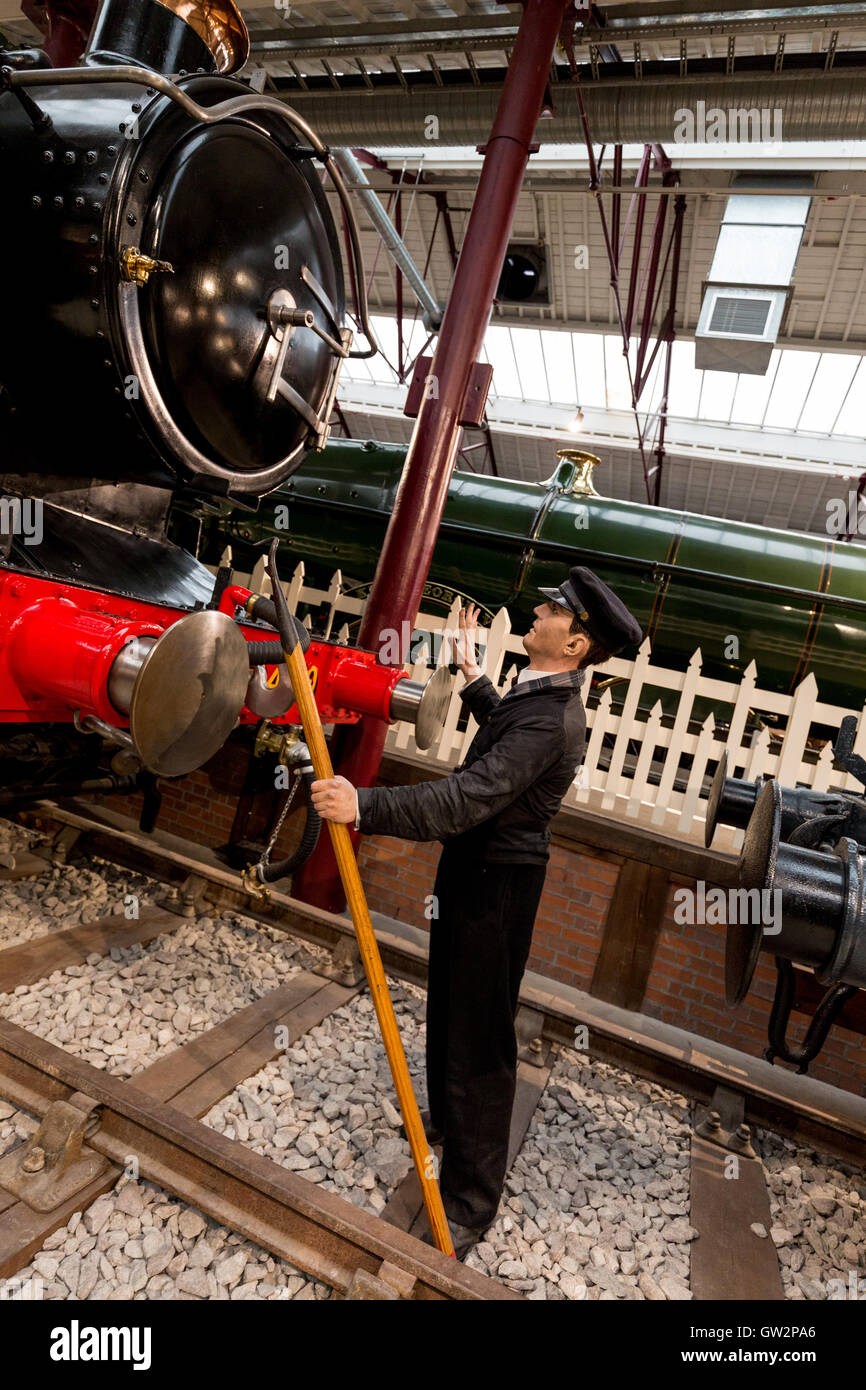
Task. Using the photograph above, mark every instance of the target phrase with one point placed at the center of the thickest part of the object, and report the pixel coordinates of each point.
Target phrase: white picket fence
(640, 766)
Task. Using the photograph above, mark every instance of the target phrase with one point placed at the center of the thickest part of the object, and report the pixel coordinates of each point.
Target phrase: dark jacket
(503, 796)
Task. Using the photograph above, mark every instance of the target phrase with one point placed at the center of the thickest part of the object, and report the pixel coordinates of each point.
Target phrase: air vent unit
(752, 270)
(743, 317)
(737, 328)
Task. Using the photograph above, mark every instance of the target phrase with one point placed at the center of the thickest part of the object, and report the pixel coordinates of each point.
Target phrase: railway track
(156, 1118)
(157, 1114)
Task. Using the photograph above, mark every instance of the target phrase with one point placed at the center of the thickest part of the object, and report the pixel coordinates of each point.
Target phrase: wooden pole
(425, 1163)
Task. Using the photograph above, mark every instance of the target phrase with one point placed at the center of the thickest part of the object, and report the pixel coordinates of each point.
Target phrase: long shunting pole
(422, 1157)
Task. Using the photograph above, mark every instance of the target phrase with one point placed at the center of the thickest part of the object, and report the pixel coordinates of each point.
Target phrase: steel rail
(800, 1107)
(322, 1234)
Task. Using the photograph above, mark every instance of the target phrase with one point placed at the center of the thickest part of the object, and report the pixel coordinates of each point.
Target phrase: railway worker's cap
(604, 616)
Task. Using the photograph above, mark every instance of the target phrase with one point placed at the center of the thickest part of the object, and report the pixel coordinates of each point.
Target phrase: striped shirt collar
(525, 682)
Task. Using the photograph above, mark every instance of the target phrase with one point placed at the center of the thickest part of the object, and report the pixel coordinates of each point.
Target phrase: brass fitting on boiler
(138, 268)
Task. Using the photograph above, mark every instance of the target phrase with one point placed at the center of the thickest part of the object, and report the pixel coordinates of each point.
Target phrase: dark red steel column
(66, 25)
(405, 560)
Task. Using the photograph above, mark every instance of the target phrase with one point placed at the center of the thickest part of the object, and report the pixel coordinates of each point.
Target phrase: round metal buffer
(715, 797)
(756, 869)
(433, 708)
(189, 693)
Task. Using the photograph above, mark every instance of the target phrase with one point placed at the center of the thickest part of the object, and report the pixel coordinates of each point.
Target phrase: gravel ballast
(326, 1108)
(123, 1011)
(596, 1204)
(66, 895)
(136, 1242)
(818, 1213)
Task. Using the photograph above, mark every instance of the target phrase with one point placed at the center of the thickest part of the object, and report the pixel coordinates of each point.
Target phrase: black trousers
(479, 944)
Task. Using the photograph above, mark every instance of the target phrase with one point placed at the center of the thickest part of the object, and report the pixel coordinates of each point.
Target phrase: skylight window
(558, 364)
(500, 353)
(618, 388)
(852, 416)
(810, 392)
(753, 394)
(791, 388)
(830, 384)
(589, 374)
(717, 396)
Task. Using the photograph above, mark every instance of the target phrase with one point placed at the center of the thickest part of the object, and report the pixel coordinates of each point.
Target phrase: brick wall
(399, 874)
(686, 985)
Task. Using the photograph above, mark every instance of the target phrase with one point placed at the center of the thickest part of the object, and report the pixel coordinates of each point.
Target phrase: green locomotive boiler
(792, 602)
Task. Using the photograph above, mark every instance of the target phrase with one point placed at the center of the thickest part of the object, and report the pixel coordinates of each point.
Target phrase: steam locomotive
(174, 328)
(172, 340)
(796, 602)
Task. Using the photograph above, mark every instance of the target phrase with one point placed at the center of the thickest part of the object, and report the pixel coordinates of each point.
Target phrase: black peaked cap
(604, 616)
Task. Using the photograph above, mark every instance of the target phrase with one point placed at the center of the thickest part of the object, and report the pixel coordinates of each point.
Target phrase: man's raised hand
(467, 624)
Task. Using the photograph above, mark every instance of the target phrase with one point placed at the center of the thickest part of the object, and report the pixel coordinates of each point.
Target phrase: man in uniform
(492, 815)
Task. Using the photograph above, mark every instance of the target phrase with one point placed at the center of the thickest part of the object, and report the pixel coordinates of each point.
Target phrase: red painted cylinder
(405, 559)
(365, 688)
(58, 651)
(232, 597)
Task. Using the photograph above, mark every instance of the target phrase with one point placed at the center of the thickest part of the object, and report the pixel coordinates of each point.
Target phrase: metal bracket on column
(531, 1046)
(724, 1123)
(55, 1163)
(423, 383)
